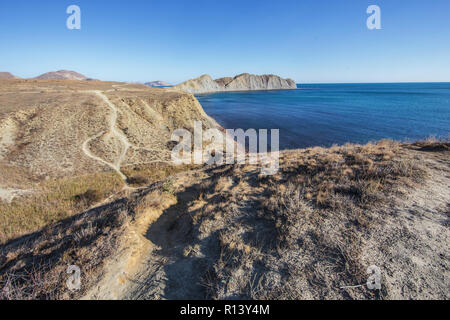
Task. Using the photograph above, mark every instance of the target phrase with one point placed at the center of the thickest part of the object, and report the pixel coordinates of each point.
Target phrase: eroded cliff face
(253, 82)
(242, 82)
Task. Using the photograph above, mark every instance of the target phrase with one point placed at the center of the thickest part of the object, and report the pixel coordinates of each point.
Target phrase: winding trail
(115, 132)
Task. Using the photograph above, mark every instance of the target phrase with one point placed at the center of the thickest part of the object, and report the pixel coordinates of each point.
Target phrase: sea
(334, 114)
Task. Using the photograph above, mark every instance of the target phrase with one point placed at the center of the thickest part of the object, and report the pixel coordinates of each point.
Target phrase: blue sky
(307, 40)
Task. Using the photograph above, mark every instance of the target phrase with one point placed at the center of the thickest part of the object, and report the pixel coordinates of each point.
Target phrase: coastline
(323, 206)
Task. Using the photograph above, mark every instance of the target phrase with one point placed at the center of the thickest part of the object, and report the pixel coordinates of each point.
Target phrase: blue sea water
(327, 114)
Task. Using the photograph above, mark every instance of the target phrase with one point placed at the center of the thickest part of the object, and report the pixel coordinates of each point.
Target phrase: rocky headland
(242, 82)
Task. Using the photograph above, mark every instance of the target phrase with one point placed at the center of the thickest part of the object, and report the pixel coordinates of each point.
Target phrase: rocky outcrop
(62, 75)
(7, 75)
(242, 82)
(265, 82)
(202, 84)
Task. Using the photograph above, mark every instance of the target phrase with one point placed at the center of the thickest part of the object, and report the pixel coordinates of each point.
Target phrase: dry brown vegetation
(142, 175)
(57, 129)
(142, 229)
(59, 141)
(37, 263)
(229, 232)
(306, 233)
(55, 200)
(433, 144)
(300, 234)
(34, 266)
(61, 198)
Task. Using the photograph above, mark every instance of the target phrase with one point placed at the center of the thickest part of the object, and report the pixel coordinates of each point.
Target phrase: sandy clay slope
(308, 232)
(70, 128)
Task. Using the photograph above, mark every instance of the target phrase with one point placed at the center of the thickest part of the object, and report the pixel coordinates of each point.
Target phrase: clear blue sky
(307, 40)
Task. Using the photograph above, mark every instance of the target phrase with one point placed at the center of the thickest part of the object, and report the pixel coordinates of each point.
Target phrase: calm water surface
(327, 114)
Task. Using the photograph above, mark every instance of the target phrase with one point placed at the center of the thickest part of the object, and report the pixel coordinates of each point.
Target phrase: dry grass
(230, 233)
(141, 175)
(44, 132)
(62, 198)
(55, 200)
(363, 174)
(433, 144)
(299, 234)
(32, 284)
(35, 266)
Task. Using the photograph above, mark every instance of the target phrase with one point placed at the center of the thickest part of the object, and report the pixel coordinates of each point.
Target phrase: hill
(308, 232)
(7, 75)
(87, 180)
(53, 132)
(62, 75)
(242, 82)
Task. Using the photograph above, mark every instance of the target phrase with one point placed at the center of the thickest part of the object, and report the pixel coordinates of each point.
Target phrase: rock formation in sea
(242, 82)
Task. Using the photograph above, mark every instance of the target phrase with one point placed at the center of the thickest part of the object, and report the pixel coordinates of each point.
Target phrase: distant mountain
(62, 75)
(242, 82)
(157, 84)
(7, 75)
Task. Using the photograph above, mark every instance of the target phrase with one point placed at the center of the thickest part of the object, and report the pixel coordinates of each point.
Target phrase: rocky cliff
(242, 82)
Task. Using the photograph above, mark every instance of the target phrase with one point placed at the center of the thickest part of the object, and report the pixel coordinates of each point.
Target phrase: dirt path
(115, 132)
